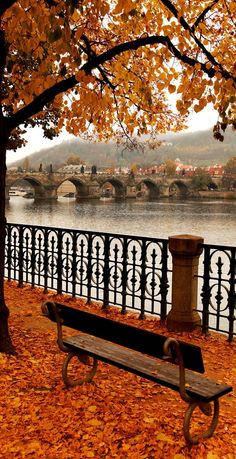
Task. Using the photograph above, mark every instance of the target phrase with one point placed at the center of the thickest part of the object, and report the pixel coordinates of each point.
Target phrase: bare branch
(203, 14)
(229, 13)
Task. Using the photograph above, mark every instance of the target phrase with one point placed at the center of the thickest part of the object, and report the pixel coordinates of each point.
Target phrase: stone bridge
(91, 186)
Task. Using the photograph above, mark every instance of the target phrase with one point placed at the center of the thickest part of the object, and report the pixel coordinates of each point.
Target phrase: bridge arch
(178, 188)
(38, 189)
(118, 186)
(80, 186)
(146, 188)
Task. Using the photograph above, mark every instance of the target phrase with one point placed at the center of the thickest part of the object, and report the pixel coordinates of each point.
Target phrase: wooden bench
(170, 363)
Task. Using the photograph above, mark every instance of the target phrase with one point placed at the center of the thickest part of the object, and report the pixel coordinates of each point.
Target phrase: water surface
(214, 220)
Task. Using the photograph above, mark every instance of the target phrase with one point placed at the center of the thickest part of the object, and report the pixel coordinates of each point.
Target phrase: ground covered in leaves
(118, 415)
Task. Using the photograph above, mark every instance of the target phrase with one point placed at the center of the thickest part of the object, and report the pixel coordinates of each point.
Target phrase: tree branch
(229, 12)
(4, 129)
(186, 26)
(95, 61)
(91, 54)
(7, 4)
(2, 57)
(203, 14)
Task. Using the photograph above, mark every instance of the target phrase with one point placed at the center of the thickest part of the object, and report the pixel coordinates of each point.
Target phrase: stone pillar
(185, 250)
(93, 190)
(46, 192)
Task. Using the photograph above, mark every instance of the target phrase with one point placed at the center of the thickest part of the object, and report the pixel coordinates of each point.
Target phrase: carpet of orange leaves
(118, 415)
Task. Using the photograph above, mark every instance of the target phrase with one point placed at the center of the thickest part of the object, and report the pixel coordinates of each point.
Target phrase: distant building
(71, 168)
(185, 169)
(217, 169)
(12, 169)
(122, 170)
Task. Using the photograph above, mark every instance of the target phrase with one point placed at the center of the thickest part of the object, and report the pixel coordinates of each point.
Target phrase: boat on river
(15, 191)
(107, 195)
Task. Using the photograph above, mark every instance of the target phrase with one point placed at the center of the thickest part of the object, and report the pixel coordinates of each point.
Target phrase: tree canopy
(201, 179)
(230, 167)
(170, 166)
(102, 68)
(74, 160)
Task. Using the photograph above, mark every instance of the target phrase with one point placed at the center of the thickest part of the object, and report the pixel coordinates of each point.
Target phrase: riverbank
(214, 194)
(118, 416)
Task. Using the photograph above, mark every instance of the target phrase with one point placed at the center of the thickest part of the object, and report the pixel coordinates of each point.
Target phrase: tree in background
(229, 177)
(25, 164)
(230, 167)
(74, 160)
(101, 68)
(134, 168)
(201, 179)
(170, 167)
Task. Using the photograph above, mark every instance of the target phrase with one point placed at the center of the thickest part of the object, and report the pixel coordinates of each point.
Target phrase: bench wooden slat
(163, 373)
(125, 335)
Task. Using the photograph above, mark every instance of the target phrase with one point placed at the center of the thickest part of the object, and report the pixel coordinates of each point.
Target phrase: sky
(36, 142)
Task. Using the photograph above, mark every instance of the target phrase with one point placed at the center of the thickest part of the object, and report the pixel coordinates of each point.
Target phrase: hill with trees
(199, 148)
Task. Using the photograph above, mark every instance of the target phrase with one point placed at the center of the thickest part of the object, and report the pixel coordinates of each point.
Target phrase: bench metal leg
(86, 361)
(207, 410)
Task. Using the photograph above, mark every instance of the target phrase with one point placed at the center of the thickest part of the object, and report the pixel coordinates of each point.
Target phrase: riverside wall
(217, 194)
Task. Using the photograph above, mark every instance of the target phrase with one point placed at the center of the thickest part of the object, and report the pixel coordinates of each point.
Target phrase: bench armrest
(173, 344)
(47, 309)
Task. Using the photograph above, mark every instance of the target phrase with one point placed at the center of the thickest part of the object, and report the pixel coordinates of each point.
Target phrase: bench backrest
(125, 335)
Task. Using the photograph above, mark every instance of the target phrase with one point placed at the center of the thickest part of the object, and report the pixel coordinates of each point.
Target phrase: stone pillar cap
(185, 244)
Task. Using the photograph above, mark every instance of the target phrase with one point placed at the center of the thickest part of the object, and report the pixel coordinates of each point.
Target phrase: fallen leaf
(163, 437)
(212, 456)
(92, 408)
(95, 422)
(149, 420)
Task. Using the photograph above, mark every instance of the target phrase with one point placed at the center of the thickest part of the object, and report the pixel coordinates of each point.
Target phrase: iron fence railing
(217, 288)
(128, 271)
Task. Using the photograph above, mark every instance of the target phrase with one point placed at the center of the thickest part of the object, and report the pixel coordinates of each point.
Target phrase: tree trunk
(5, 340)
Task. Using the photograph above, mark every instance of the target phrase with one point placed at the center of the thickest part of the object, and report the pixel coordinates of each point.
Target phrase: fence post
(185, 250)
(106, 272)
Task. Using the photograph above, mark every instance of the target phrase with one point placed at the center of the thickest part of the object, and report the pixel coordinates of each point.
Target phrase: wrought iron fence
(217, 287)
(128, 271)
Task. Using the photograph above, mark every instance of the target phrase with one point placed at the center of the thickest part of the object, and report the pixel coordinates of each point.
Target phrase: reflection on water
(214, 220)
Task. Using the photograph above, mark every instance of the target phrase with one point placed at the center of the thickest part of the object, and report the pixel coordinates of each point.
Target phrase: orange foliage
(116, 62)
(118, 415)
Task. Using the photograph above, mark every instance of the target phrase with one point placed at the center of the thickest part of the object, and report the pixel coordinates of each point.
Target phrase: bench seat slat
(166, 374)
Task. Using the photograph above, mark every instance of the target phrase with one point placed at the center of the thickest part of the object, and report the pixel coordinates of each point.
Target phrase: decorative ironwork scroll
(218, 291)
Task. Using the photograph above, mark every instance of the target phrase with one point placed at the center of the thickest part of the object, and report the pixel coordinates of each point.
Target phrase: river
(214, 220)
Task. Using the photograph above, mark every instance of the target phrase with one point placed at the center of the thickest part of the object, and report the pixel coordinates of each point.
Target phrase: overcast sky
(197, 122)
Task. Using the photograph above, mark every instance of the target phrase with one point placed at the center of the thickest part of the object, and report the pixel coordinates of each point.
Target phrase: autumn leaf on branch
(116, 63)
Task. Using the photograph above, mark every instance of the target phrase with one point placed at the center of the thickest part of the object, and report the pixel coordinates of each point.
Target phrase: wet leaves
(118, 416)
